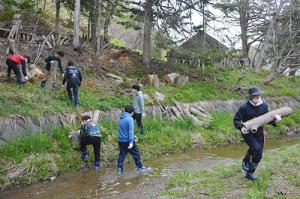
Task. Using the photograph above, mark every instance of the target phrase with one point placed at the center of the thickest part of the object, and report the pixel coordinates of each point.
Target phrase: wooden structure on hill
(188, 53)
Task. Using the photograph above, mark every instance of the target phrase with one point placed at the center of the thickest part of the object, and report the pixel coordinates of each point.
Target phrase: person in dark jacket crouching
(73, 78)
(254, 107)
(90, 134)
(126, 141)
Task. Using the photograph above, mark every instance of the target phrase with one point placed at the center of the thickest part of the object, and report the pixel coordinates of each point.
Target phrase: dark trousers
(75, 93)
(255, 141)
(11, 65)
(123, 147)
(138, 118)
(95, 141)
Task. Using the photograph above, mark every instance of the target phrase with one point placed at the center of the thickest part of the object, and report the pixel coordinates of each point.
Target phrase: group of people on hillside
(71, 75)
(90, 131)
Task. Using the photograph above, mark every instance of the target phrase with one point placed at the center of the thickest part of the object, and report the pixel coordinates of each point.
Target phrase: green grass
(219, 82)
(277, 168)
(30, 100)
(161, 137)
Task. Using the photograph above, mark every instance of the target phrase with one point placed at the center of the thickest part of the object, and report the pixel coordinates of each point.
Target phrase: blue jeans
(123, 146)
(75, 92)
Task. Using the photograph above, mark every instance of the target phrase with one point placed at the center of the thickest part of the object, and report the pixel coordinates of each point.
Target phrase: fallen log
(176, 112)
(152, 80)
(195, 120)
(253, 124)
(170, 78)
(200, 114)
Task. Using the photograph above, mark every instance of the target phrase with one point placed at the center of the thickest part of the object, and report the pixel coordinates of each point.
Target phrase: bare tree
(57, 13)
(77, 25)
(98, 26)
(147, 32)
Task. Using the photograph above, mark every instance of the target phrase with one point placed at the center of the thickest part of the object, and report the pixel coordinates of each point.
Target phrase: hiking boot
(120, 171)
(43, 84)
(250, 176)
(144, 169)
(97, 165)
(245, 166)
(85, 156)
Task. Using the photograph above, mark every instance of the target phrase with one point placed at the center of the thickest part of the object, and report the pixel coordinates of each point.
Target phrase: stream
(107, 183)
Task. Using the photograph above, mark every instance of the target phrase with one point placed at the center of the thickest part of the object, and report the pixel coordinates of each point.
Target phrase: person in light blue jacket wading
(139, 108)
(126, 140)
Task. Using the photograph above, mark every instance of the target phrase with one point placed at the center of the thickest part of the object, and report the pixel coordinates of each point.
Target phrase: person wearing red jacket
(12, 63)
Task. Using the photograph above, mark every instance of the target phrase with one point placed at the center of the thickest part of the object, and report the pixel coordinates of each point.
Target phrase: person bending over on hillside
(139, 109)
(73, 78)
(12, 63)
(90, 134)
(126, 141)
(254, 107)
(50, 59)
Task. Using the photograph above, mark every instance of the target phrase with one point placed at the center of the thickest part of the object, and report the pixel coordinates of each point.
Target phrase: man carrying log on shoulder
(254, 107)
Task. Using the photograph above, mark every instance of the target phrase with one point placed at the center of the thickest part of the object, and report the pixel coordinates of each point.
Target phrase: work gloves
(244, 130)
(130, 146)
(26, 78)
(144, 114)
(277, 118)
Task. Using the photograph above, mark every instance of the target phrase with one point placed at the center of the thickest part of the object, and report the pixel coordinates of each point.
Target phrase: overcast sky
(220, 30)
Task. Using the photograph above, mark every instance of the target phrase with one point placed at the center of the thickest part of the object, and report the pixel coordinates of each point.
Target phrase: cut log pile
(199, 116)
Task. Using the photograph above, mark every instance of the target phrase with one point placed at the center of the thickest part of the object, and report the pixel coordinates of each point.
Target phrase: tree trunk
(265, 43)
(244, 17)
(254, 124)
(57, 13)
(93, 20)
(98, 26)
(147, 32)
(106, 25)
(77, 24)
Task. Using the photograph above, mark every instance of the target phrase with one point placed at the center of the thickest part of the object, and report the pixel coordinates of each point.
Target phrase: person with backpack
(12, 63)
(49, 60)
(90, 135)
(254, 107)
(126, 141)
(73, 78)
(139, 108)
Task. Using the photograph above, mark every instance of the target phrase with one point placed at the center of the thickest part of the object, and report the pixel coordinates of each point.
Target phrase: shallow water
(107, 184)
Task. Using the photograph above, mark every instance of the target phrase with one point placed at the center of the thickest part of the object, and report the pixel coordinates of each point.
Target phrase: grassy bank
(37, 157)
(30, 100)
(278, 177)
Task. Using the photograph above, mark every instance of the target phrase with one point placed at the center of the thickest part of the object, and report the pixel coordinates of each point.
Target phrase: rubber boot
(97, 165)
(43, 84)
(141, 131)
(249, 175)
(246, 162)
(85, 156)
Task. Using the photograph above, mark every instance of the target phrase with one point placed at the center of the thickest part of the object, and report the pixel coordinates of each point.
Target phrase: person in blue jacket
(254, 107)
(126, 140)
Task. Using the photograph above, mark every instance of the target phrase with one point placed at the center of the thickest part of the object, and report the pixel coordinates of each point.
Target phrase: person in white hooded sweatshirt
(139, 108)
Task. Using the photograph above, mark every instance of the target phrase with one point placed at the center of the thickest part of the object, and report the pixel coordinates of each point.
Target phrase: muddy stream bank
(107, 184)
